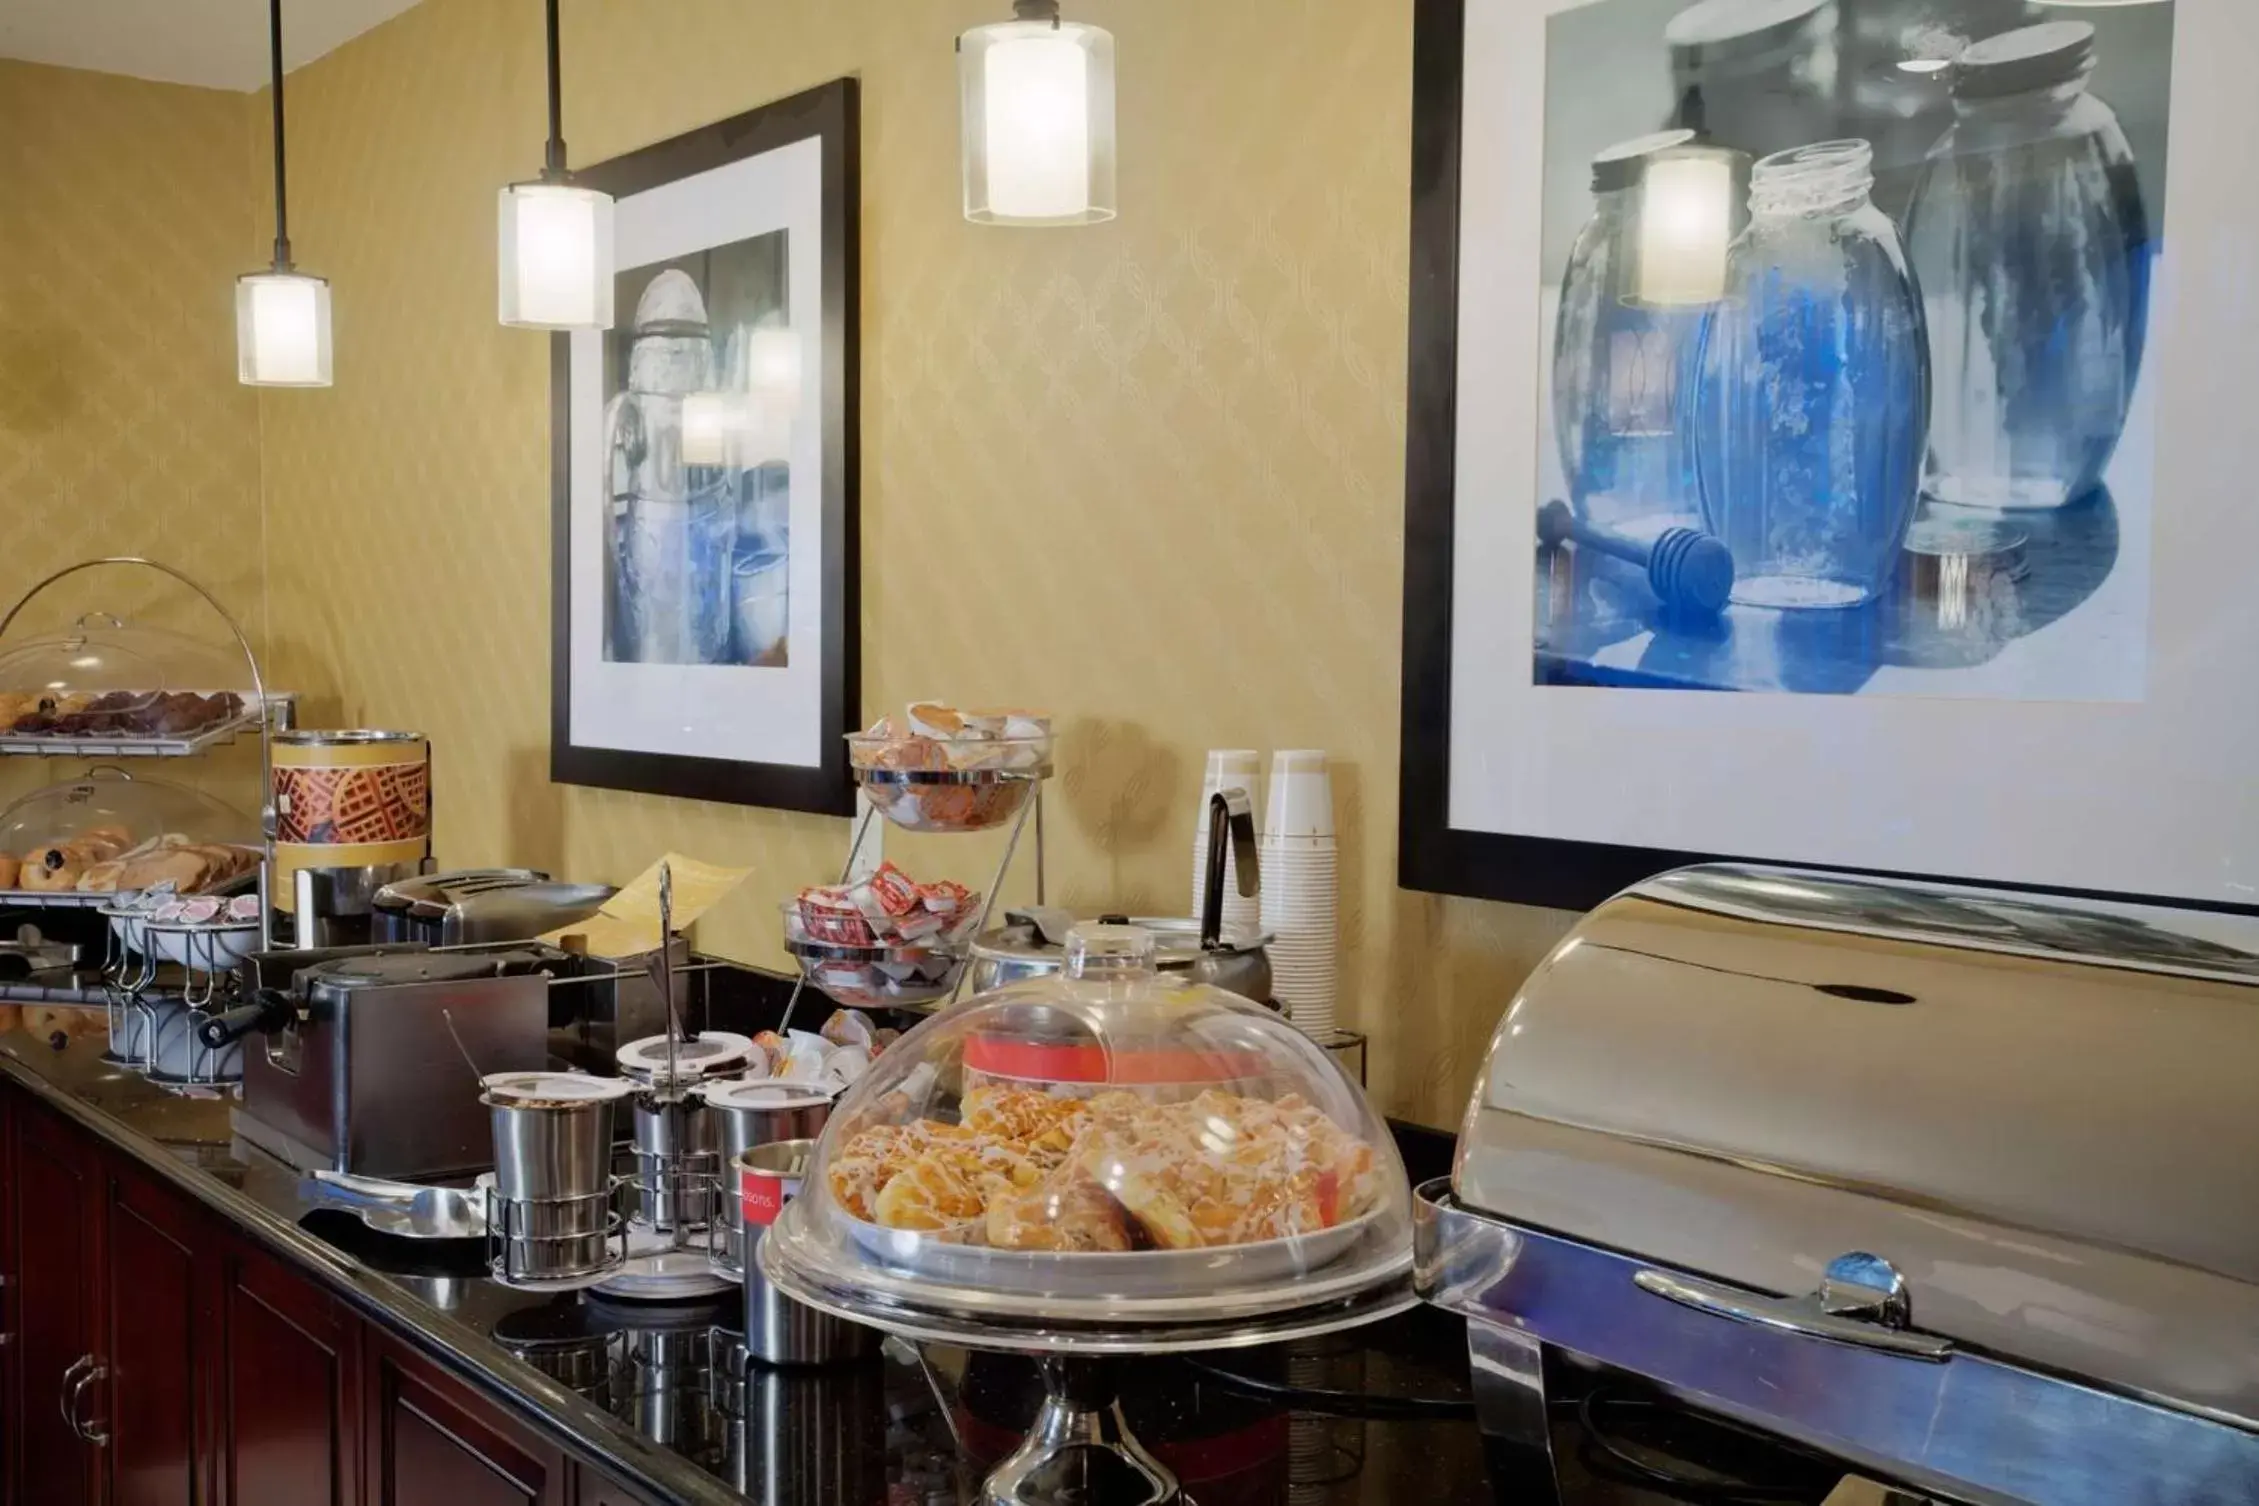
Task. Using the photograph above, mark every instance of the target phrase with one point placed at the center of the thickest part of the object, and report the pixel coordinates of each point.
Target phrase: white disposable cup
(1230, 767)
(1301, 795)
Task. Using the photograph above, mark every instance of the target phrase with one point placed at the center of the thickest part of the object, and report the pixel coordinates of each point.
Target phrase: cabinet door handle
(99, 1437)
(69, 1394)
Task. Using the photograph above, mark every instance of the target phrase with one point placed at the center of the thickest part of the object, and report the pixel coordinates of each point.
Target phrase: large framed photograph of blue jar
(1825, 443)
(706, 475)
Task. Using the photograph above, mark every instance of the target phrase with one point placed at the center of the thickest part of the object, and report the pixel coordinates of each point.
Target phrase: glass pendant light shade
(1039, 123)
(282, 330)
(556, 263)
(281, 314)
(1686, 221)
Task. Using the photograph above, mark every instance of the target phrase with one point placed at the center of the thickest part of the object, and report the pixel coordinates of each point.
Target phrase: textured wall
(128, 211)
(1148, 475)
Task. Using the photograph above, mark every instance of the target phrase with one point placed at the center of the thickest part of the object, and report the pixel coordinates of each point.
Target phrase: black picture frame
(831, 113)
(1432, 855)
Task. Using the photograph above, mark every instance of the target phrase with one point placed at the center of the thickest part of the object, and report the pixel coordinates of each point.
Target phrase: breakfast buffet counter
(647, 1398)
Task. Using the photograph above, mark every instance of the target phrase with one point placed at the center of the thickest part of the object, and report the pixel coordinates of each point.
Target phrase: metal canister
(778, 1330)
(552, 1213)
(353, 803)
(678, 1161)
(750, 1114)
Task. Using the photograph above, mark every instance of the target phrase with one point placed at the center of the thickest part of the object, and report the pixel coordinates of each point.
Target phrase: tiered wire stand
(555, 1244)
(601, 1239)
(153, 1005)
(1030, 812)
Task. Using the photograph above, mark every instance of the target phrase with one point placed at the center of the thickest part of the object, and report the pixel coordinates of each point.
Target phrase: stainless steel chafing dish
(1958, 1186)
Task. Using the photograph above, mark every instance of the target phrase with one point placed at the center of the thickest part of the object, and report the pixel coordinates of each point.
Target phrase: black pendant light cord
(282, 200)
(553, 167)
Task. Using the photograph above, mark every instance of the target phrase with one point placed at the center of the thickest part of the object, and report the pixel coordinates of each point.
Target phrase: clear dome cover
(1109, 1144)
(106, 677)
(112, 830)
(126, 806)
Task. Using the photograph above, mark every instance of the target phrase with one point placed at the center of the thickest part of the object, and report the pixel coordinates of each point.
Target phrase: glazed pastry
(1046, 1127)
(1033, 1170)
(1071, 1213)
(933, 1192)
(874, 1156)
(9, 869)
(951, 1181)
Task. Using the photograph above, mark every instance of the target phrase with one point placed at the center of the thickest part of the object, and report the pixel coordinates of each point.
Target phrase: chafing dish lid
(2039, 1110)
(1039, 934)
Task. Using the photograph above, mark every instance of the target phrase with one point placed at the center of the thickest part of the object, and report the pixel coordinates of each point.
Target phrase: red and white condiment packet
(889, 908)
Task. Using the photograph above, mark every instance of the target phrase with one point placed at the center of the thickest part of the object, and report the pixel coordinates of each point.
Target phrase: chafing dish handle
(1791, 1315)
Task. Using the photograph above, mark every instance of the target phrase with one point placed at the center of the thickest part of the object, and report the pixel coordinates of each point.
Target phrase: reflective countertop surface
(659, 1394)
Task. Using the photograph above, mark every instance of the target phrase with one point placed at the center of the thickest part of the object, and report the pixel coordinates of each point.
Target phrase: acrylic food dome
(106, 678)
(1108, 1145)
(129, 809)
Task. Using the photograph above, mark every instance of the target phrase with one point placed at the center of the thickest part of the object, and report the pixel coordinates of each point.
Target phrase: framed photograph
(1809, 459)
(704, 454)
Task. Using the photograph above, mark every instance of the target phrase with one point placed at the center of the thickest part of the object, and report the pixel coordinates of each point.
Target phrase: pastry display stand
(1030, 811)
(144, 1006)
(1079, 1449)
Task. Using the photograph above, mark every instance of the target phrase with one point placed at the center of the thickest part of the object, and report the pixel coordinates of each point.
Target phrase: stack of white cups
(1301, 883)
(1228, 769)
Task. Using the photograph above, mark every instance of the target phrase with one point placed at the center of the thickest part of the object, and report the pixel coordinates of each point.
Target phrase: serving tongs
(661, 964)
(405, 1209)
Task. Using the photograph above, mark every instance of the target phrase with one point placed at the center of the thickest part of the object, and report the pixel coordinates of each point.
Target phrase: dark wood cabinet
(432, 1439)
(286, 1392)
(596, 1490)
(55, 1192)
(154, 1338)
(154, 1354)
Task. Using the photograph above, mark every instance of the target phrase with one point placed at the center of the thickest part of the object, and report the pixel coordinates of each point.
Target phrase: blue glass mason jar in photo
(1643, 273)
(2033, 248)
(1813, 410)
(1895, 78)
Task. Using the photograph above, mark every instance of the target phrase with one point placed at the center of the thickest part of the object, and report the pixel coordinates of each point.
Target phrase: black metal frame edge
(833, 113)
(1433, 855)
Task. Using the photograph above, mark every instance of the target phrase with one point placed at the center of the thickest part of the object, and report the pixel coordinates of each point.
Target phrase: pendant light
(556, 236)
(1038, 97)
(1687, 199)
(281, 314)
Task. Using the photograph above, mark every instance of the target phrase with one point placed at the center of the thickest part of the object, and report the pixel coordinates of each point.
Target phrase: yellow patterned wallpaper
(126, 212)
(1148, 475)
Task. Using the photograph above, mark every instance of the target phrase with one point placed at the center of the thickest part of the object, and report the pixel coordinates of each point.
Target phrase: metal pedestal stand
(978, 779)
(1079, 1449)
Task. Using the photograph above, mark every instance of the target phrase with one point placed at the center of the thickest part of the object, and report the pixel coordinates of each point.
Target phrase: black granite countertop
(659, 1395)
